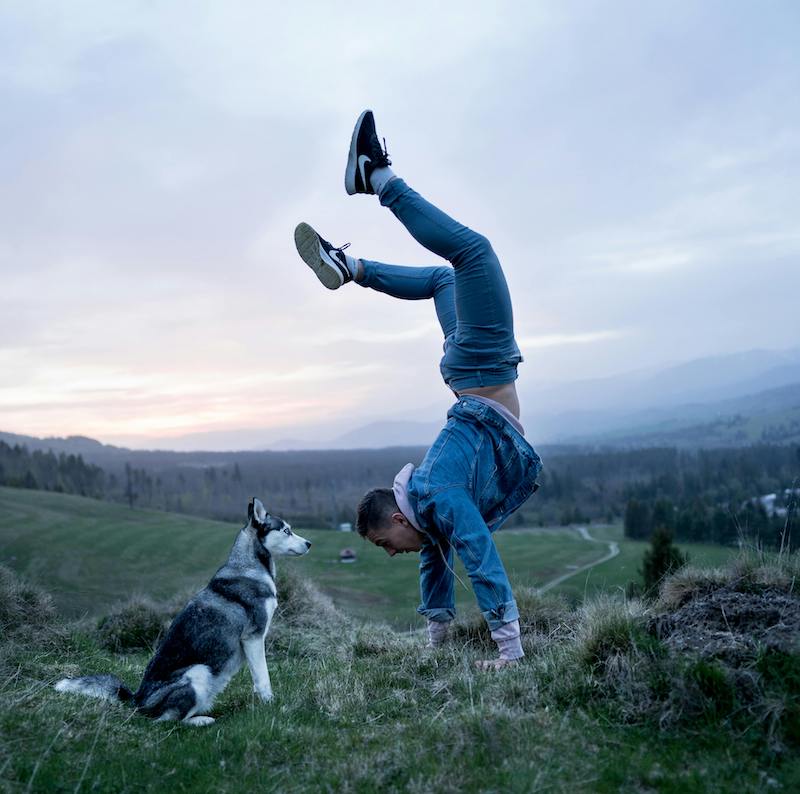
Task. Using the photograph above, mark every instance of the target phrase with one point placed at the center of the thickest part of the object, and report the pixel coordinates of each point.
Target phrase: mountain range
(727, 400)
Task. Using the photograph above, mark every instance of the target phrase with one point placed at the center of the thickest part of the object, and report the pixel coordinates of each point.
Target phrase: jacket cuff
(502, 614)
(508, 641)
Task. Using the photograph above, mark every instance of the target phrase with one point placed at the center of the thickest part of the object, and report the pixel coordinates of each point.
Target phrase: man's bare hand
(494, 664)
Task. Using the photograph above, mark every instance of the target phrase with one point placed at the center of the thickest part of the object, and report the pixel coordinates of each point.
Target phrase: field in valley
(91, 554)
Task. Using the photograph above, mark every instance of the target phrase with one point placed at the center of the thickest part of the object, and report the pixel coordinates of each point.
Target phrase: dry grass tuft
(607, 626)
(753, 569)
(540, 615)
(136, 624)
(306, 621)
(688, 583)
(22, 604)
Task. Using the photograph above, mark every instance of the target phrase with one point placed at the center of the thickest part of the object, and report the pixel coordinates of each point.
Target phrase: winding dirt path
(613, 551)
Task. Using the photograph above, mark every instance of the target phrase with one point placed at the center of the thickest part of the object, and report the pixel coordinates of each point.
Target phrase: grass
(91, 555)
(360, 708)
(615, 574)
(598, 705)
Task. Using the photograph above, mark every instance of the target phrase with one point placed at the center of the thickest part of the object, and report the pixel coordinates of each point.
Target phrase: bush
(306, 620)
(608, 627)
(22, 603)
(134, 625)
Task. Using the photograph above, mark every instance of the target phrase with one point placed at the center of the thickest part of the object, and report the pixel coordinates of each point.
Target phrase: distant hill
(722, 400)
(771, 416)
(693, 393)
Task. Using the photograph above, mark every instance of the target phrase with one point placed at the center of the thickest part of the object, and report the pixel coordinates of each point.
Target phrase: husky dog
(218, 629)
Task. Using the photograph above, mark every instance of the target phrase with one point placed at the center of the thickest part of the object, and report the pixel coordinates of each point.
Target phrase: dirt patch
(733, 626)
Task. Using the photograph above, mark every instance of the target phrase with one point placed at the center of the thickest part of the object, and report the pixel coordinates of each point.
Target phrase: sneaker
(327, 261)
(366, 154)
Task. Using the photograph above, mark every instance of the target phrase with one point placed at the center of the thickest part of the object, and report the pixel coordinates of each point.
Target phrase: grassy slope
(366, 718)
(91, 554)
(357, 709)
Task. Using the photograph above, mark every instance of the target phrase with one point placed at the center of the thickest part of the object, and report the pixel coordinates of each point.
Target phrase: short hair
(375, 509)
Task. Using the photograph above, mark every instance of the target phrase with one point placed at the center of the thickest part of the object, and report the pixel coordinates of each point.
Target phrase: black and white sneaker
(366, 154)
(327, 261)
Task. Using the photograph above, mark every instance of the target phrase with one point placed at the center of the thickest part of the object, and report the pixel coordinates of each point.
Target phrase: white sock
(352, 265)
(437, 633)
(380, 177)
(508, 641)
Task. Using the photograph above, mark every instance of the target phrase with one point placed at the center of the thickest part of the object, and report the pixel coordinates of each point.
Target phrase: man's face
(398, 536)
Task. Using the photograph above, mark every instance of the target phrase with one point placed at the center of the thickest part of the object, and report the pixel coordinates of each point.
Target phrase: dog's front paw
(265, 695)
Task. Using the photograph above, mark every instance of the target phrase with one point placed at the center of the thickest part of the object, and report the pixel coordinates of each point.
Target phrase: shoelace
(384, 155)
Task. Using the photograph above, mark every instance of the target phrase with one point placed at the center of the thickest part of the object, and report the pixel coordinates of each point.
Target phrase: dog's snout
(308, 544)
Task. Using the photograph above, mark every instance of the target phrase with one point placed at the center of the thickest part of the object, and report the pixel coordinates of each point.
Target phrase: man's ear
(398, 517)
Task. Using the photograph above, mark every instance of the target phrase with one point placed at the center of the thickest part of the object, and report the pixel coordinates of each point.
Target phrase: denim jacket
(478, 472)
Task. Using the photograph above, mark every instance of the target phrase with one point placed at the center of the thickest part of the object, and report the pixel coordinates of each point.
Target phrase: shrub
(22, 603)
(306, 619)
(136, 624)
(608, 626)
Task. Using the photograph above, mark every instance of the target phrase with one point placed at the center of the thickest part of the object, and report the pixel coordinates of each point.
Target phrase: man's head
(380, 521)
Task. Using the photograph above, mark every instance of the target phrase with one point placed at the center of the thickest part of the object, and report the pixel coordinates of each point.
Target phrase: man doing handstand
(480, 469)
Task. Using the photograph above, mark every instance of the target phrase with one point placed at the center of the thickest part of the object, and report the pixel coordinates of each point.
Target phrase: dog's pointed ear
(259, 512)
(250, 512)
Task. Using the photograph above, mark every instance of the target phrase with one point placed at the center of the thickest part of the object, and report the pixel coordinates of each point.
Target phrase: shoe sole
(306, 241)
(352, 159)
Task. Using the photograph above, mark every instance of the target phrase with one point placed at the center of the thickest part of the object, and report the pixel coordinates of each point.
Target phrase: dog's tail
(106, 687)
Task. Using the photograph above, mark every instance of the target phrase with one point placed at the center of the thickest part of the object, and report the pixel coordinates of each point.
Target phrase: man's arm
(456, 516)
(436, 588)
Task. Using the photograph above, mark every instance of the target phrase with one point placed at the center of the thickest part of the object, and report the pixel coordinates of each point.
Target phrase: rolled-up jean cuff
(437, 614)
(501, 614)
(391, 190)
(368, 270)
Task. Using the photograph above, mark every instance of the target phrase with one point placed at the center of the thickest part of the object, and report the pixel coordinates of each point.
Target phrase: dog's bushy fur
(220, 628)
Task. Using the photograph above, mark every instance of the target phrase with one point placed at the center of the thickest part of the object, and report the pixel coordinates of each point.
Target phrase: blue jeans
(471, 298)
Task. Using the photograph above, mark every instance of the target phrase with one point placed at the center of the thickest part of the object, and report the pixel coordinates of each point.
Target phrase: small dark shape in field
(733, 625)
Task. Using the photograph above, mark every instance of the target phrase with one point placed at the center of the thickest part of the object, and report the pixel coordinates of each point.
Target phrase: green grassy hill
(600, 703)
(91, 554)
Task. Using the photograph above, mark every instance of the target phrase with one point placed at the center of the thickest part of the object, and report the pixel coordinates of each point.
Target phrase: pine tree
(661, 559)
(637, 519)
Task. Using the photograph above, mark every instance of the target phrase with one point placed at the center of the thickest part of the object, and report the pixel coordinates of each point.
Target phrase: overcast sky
(636, 166)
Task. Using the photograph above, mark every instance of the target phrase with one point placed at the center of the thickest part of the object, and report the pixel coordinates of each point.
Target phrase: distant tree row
(712, 497)
(698, 495)
(20, 468)
(701, 523)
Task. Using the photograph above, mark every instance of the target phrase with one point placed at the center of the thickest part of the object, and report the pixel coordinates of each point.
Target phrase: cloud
(647, 261)
(557, 340)
(156, 159)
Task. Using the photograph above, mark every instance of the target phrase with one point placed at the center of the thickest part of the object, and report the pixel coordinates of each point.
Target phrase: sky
(635, 165)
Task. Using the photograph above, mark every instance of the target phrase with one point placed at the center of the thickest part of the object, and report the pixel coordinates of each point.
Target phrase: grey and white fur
(209, 641)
